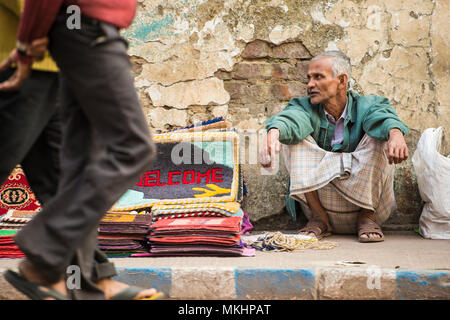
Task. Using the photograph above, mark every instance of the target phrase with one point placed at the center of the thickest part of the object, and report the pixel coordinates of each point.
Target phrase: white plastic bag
(433, 177)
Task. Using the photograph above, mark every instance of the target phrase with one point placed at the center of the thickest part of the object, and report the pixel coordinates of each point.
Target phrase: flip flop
(33, 290)
(131, 292)
(369, 226)
(318, 227)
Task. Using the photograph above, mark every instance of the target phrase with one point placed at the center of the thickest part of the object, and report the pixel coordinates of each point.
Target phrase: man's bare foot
(111, 288)
(32, 274)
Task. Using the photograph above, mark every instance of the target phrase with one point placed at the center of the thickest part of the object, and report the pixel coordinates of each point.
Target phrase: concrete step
(403, 267)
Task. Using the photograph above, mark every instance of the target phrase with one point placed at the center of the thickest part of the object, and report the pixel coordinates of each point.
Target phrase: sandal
(33, 290)
(369, 226)
(318, 227)
(131, 292)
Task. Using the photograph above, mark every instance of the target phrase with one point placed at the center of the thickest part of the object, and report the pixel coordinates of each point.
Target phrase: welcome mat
(191, 167)
(16, 194)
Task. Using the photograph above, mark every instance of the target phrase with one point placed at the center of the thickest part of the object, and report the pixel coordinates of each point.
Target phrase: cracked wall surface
(244, 59)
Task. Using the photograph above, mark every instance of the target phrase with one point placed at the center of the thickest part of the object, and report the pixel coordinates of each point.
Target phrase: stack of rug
(199, 229)
(193, 192)
(10, 224)
(122, 234)
(8, 249)
(197, 236)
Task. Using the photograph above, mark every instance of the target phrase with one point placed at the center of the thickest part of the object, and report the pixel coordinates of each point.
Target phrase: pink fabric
(38, 16)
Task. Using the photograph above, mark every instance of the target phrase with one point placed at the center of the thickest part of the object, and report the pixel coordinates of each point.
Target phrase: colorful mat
(196, 235)
(197, 167)
(8, 249)
(16, 219)
(15, 193)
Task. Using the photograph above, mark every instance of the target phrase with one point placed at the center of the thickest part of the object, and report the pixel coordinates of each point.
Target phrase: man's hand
(397, 149)
(36, 51)
(22, 72)
(272, 150)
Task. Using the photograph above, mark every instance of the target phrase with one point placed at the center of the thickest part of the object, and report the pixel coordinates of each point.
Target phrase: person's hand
(397, 149)
(273, 146)
(37, 49)
(22, 72)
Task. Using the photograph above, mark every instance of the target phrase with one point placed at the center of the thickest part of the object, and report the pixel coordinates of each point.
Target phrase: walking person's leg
(41, 164)
(104, 113)
(24, 116)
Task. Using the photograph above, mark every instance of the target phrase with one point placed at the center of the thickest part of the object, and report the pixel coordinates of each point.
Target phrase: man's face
(321, 85)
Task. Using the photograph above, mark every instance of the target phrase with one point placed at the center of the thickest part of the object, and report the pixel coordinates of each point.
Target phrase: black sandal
(33, 290)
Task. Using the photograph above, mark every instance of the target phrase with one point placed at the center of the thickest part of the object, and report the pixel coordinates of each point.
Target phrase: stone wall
(244, 59)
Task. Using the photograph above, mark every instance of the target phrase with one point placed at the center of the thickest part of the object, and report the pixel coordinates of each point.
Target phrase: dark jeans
(30, 132)
(106, 146)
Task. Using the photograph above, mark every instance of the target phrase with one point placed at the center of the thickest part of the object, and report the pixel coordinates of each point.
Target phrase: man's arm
(397, 148)
(36, 20)
(273, 147)
(290, 126)
(382, 122)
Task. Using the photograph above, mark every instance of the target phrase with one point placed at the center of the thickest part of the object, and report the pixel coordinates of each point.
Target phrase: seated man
(339, 162)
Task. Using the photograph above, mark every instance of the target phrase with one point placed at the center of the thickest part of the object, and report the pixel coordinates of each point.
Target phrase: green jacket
(365, 114)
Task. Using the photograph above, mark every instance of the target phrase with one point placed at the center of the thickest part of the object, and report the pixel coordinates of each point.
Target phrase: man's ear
(343, 80)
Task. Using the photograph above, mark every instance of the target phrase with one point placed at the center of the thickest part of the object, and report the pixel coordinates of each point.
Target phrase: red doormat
(15, 193)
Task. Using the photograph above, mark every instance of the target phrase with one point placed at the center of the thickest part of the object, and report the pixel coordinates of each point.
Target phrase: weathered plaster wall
(243, 59)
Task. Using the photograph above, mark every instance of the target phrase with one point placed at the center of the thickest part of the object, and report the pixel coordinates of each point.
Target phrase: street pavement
(403, 267)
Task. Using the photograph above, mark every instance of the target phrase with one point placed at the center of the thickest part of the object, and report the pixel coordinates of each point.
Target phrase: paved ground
(405, 266)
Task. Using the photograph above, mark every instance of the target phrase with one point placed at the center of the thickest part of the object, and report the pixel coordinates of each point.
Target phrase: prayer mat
(15, 193)
(192, 168)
